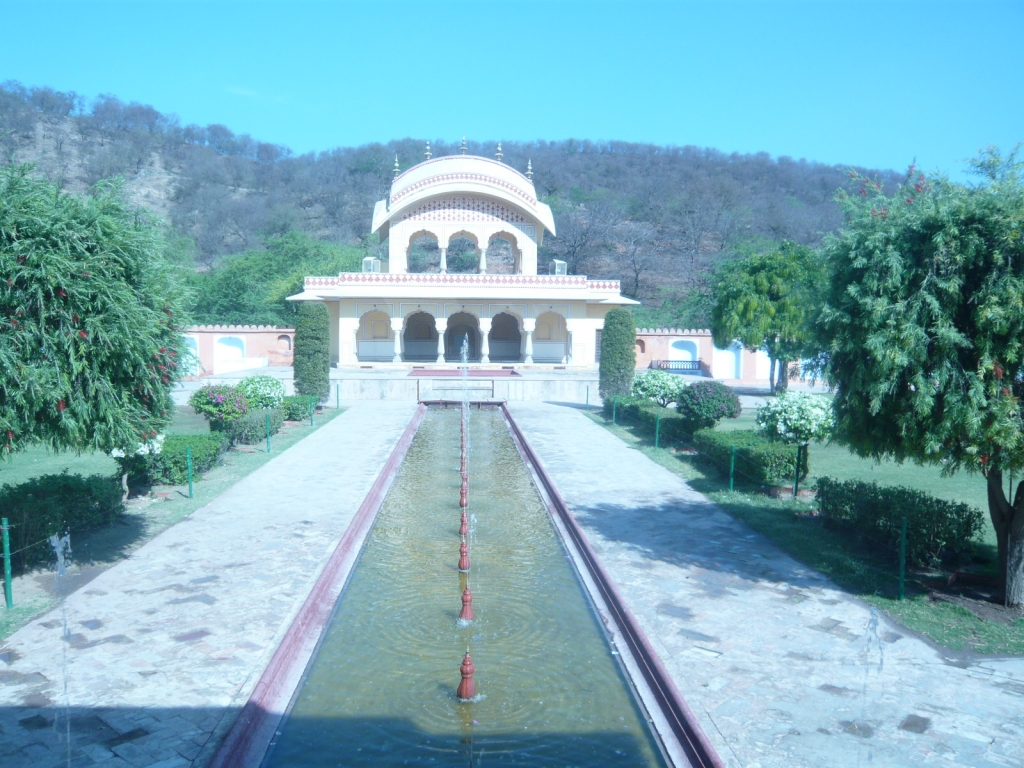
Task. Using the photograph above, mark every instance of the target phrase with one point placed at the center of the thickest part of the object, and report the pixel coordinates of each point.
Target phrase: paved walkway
(780, 666)
(165, 647)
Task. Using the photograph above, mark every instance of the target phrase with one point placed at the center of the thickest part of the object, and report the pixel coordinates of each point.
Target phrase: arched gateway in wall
(513, 310)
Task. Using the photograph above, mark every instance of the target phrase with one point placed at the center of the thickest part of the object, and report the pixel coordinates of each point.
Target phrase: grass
(868, 572)
(108, 545)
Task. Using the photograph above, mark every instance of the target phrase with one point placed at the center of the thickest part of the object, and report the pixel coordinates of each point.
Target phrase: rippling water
(381, 690)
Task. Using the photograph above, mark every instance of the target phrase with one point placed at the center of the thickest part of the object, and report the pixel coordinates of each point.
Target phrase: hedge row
(936, 529)
(251, 428)
(51, 505)
(760, 460)
(646, 411)
(296, 407)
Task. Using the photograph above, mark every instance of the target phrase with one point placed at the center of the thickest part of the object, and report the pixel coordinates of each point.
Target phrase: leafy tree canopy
(769, 301)
(89, 319)
(253, 287)
(924, 329)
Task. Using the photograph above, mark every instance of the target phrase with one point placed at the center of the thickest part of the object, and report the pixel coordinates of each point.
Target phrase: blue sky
(876, 84)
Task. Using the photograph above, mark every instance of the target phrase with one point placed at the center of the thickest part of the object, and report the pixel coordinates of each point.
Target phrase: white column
(444, 260)
(441, 324)
(355, 345)
(568, 348)
(529, 325)
(396, 329)
(485, 345)
(483, 259)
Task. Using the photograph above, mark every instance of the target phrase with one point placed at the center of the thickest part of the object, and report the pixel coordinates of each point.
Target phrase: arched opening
(727, 363)
(462, 325)
(228, 349)
(284, 342)
(504, 341)
(376, 341)
(424, 254)
(503, 258)
(463, 257)
(190, 364)
(641, 346)
(549, 339)
(420, 338)
(683, 349)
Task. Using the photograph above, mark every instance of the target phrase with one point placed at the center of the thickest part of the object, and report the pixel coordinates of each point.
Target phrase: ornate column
(485, 345)
(355, 345)
(441, 324)
(396, 329)
(483, 259)
(444, 260)
(529, 326)
(348, 351)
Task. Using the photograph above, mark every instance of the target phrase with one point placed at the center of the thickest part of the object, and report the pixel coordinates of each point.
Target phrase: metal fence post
(657, 432)
(903, 556)
(615, 409)
(796, 477)
(337, 396)
(8, 594)
(266, 419)
(188, 464)
(732, 465)
(588, 399)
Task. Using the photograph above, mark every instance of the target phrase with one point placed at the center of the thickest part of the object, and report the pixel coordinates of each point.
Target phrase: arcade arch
(505, 340)
(463, 254)
(550, 339)
(462, 325)
(375, 339)
(420, 338)
(503, 257)
(424, 253)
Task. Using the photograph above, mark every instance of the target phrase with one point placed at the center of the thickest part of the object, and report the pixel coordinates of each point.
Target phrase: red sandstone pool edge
(246, 744)
(674, 711)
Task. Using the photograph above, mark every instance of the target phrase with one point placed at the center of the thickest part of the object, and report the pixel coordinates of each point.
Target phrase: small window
(284, 342)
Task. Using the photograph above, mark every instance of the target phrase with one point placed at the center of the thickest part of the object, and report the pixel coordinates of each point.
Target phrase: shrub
(659, 386)
(647, 413)
(703, 404)
(252, 428)
(618, 353)
(262, 391)
(218, 403)
(795, 418)
(52, 504)
(312, 358)
(296, 407)
(170, 466)
(935, 528)
(760, 460)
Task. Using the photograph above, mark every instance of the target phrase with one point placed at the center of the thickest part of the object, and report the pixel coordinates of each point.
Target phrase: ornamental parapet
(434, 280)
(240, 328)
(672, 332)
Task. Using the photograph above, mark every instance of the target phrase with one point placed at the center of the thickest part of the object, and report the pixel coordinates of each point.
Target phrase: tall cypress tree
(312, 363)
(618, 353)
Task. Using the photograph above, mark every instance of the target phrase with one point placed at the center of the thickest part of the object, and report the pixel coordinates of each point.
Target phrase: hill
(658, 218)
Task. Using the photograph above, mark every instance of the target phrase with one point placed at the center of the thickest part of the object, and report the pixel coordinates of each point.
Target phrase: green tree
(769, 301)
(312, 362)
(253, 287)
(89, 319)
(924, 329)
(618, 353)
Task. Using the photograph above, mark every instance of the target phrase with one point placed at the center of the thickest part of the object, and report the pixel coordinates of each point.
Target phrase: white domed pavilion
(515, 316)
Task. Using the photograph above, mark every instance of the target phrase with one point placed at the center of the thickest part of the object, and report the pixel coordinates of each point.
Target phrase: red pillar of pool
(467, 688)
(463, 501)
(464, 525)
(463, 558)
(467, 606)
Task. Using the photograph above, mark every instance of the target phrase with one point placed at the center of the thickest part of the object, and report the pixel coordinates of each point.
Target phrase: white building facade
(403, 318)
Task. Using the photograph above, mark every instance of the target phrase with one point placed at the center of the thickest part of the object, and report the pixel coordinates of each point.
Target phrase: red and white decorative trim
(432, 280)
(445, 178)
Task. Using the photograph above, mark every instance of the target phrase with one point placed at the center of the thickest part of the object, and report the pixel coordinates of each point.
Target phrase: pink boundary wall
(259, 340)
(246, 743)
(695, 746)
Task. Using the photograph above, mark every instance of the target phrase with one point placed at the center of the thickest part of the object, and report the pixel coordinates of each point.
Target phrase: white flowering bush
(262, 391)
(153, 445)
(660, 386)
(795, 417)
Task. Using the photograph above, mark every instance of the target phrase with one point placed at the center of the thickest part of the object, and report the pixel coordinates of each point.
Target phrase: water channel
(381, 689)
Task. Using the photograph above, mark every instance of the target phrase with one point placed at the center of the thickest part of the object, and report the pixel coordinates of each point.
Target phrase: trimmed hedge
(311, 365)
(645, 411)
(705, 403)
(936, 528)
(252, 428)
(758, 459)
(53, 504)
(170, 466)
(296, 407)
(618, 353)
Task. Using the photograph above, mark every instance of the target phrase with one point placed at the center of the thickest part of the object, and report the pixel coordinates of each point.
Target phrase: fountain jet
(463, 558)
(467, 606)
(467, 688)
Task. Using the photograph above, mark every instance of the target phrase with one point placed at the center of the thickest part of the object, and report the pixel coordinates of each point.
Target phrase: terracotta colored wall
(261, 341)
(655, 344)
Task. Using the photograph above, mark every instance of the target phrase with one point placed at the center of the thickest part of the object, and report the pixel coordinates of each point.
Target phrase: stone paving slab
(163, 649)
(781, 667)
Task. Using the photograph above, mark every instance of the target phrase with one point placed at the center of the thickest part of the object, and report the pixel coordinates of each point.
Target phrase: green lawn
(866, 572)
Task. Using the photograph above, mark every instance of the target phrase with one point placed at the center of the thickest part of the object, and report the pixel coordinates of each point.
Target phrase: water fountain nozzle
(463, 558)
(467, 605)
(467, 688)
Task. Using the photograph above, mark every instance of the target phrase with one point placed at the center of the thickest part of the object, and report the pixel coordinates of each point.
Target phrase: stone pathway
(165, 647)
(780, 666)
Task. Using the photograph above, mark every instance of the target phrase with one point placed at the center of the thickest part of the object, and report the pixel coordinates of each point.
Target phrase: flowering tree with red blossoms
(923, 328)
(89, 319)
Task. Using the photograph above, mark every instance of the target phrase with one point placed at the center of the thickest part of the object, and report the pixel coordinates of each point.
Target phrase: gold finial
(463, 145)
(529, 169)
(397, 169)
(428, 154)
(498, 155)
